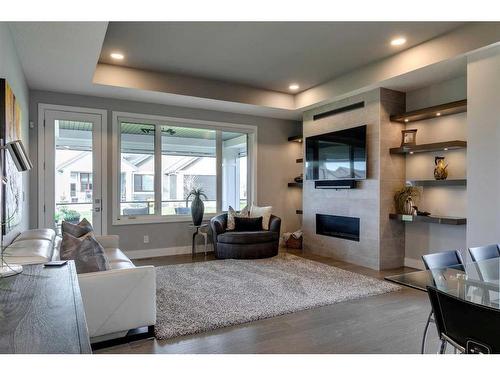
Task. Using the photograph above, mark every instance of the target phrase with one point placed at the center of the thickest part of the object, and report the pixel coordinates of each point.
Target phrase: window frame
(158, 121)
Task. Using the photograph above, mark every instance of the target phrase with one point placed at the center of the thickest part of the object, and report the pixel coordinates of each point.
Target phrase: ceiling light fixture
(438, 114)
(406, 120)
(117, 56)
(398, 41)
(293, 86)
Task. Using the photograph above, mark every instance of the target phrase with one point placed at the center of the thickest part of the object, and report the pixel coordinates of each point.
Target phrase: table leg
(206, 244)
(193, 243)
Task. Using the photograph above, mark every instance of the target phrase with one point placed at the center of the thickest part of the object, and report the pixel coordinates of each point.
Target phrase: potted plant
(197, 206)
(404, 199)
(71, 216)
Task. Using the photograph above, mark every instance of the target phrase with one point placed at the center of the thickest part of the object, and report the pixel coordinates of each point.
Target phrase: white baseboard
(166, 251)
(414, 263)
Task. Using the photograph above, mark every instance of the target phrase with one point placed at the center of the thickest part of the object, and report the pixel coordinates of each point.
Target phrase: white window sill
(124, 220)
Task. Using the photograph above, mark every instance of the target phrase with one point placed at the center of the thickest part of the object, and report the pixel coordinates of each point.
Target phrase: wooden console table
(41, 311)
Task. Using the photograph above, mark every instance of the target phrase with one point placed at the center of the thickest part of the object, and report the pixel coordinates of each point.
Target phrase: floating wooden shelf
(448, 220)
(298, 212)
(429, 147)
(431, 112)
(295, 184)
(299, 160)
(295, 138)
(451, 182)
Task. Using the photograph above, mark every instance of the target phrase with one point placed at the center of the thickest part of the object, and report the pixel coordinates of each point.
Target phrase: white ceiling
(268, 55)
(62, 57)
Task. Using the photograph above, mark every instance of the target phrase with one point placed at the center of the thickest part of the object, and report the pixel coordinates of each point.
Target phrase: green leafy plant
(403, 195)
(66, 214)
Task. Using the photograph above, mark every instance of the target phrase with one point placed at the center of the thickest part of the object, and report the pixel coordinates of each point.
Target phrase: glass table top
(478, 283)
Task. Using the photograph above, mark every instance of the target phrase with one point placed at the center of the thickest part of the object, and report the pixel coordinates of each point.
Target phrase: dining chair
(485, 270)
(443, 259)
(469, 327)
(484, 252)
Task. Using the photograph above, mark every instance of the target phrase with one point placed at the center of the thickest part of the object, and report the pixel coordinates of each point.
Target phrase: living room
(263, 187)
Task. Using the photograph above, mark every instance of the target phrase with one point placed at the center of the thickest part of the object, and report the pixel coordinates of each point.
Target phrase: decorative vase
(440, 170)
(408, 207)
(197, 210)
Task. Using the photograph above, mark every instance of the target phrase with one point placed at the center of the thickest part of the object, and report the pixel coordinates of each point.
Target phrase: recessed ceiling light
(406, 120)
(293, 86)
(438, 114)
(398, 41)
(445, 149)
(117, 56)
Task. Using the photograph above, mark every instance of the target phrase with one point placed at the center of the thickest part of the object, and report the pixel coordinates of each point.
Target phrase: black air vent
(347, 108)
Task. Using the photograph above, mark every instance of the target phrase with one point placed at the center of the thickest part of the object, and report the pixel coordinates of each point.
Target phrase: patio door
(72, 169)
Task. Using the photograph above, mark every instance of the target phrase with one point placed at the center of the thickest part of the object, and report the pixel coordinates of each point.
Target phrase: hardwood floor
(388, 323)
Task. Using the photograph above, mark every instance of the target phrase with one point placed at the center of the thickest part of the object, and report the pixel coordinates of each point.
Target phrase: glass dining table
(477, 282)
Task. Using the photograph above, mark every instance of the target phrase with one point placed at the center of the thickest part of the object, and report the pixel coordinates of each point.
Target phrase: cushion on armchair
(265, 212)
(247, 224)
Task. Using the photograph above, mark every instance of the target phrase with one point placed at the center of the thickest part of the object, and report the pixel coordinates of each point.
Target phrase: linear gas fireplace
(338, 226)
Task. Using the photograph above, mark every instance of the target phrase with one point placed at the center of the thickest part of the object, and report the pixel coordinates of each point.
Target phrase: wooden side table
(199, 230)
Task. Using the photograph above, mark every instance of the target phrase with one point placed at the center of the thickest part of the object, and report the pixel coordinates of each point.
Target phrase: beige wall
(424, 238)
(483, 154)
(275, 161)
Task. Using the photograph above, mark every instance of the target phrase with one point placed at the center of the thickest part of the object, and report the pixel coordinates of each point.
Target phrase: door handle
(97, 209)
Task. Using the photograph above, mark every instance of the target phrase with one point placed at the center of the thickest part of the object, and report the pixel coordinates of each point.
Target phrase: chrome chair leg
(426, 329)
(442, 348)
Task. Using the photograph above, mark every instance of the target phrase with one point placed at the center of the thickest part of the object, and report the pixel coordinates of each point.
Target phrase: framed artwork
(409, 137)
(10, 130)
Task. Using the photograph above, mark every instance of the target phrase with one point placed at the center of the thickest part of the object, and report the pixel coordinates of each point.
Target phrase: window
(143, 183)
(188, 161)
(161, 160)
(85, 182)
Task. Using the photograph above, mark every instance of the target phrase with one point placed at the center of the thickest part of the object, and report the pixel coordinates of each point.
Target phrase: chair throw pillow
(265, 212)
(231, 214)
(248, 224)
(87, 253)
(77, 230)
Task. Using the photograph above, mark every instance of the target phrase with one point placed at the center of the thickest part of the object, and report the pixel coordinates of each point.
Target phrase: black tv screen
(339, 155)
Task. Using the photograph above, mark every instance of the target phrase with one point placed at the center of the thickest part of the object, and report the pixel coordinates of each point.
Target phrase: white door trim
(42, 107)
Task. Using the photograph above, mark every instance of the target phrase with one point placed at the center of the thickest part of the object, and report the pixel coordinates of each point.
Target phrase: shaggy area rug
(199, 297)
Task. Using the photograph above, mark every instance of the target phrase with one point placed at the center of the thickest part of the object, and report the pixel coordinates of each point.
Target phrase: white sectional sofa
(115, 301)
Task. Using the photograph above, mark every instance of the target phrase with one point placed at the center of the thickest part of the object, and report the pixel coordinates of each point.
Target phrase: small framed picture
(409, 137)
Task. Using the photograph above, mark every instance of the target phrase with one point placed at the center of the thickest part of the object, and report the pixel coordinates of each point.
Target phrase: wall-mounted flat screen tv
(339, 155)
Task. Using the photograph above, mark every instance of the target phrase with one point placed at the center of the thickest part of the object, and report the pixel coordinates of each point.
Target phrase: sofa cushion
(248, 224)
(231, 214)
(118, 260)
(29, 252)
(87, 253)
(265, 212)
(248, 237)
(36, 234)
(77, 230)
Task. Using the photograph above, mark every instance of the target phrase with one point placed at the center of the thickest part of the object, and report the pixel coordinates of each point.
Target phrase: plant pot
(197, 210)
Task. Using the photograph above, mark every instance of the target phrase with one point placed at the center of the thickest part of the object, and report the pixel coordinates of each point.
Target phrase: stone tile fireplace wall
(381, 241)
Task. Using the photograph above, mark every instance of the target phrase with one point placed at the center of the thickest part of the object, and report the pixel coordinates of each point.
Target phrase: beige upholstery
(36, 234)
(31, 247)
(116, 300)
